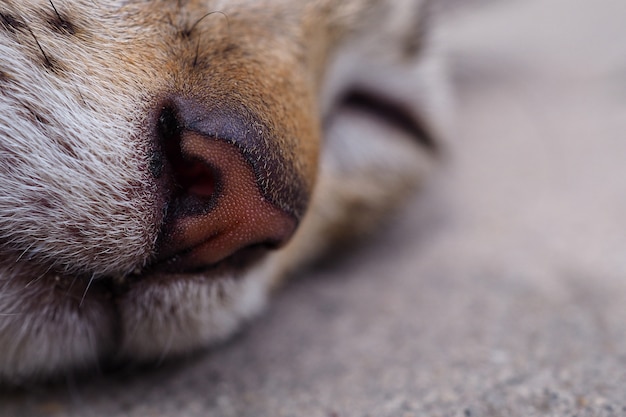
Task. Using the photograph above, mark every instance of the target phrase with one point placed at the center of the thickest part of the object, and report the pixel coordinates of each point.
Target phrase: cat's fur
(346, 96)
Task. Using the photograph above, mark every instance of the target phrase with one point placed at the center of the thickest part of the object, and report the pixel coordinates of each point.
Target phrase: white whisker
(86, 289)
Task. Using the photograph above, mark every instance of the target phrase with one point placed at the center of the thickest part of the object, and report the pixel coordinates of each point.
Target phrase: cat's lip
(176, 268)
(185, 263)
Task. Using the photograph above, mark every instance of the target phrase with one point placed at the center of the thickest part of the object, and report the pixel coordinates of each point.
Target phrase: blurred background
(500, 291)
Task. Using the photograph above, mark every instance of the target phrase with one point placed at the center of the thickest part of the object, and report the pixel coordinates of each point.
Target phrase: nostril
(168, 125)
(191, 176)
(196, 178)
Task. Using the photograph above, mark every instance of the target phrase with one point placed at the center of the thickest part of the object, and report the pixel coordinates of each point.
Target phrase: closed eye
(390, 112)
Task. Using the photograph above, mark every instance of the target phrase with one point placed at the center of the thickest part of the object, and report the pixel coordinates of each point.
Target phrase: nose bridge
(253, 87)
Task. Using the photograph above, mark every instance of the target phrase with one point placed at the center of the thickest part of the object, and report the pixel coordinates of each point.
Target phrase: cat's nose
(228, 192)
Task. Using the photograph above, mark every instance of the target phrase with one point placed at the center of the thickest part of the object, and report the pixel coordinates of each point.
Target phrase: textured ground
(500, 292)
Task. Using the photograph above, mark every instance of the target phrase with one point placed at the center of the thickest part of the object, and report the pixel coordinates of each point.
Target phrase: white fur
(178, 316)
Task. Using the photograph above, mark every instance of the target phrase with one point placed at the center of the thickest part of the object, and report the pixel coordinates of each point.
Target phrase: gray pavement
(501, 290)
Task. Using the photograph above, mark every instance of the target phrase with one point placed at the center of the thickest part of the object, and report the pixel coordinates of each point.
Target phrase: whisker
(32, 281)
(24, 252)
(86, 289)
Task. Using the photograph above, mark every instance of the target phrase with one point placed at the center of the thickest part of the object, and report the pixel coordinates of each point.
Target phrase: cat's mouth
(169, 272)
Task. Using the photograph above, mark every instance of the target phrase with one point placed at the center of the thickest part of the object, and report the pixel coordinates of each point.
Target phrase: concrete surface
(500, 292)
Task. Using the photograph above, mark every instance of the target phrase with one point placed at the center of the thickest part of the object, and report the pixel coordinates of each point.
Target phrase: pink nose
(221, 203)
